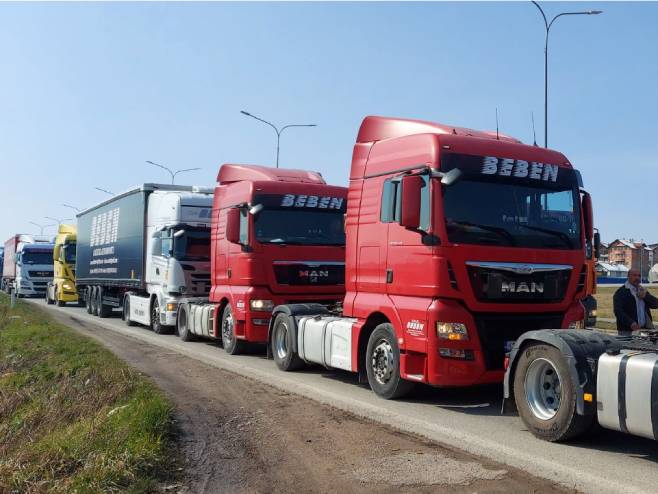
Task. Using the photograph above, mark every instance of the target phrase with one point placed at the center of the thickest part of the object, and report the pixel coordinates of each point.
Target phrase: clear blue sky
(88, 92)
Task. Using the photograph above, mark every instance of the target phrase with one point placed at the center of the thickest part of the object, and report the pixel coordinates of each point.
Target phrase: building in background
(632, 254)
(606, 272)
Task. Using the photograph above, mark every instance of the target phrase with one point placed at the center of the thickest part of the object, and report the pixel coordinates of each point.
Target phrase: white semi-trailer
(143, 250)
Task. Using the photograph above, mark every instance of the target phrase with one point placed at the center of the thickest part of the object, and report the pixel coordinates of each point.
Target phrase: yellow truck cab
(62, 289)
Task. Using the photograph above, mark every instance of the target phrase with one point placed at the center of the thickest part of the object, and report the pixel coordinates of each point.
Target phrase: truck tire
(48, 301)
(282, 344)
(383, 364)
(545, 395)
(231, 344)
(88, 299)
(125, 312)
(93, 295)
(103, 310)
(156, 325)
(182, 327)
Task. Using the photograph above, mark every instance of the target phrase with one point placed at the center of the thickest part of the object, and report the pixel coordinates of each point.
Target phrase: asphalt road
(466, 419)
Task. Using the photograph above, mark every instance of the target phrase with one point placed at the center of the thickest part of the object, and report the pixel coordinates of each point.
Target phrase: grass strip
(73, 417)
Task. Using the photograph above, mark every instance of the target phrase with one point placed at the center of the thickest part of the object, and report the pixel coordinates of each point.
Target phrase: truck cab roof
(229, 173)
(374, 128)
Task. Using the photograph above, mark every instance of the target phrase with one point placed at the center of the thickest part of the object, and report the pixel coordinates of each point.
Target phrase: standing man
(632, 304)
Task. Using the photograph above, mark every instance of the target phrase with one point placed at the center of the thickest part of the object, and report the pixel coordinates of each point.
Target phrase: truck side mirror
(410, 203)
(233, 225)
(156, 246)
(588, 216)
(597, 244)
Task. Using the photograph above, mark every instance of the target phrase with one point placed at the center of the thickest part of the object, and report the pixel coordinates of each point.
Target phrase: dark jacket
(626, 308)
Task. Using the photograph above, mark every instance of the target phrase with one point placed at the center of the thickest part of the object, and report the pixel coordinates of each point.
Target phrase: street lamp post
(548, 28)
(77, 210)
(277, 130)
(173, 173)
(103, 190)
(40, 226)
(58, 220)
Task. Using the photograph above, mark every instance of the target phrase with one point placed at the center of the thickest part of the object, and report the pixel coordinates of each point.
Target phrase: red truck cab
(277, 237)
(458, 241)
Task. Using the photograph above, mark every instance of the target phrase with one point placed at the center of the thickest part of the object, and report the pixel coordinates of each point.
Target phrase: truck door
(410, 276)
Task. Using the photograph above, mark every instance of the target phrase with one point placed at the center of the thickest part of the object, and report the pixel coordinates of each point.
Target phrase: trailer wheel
(93, 295)
(182, 327)
(545, 395)
(383, 364)
(103, 310)
(88, 300)
(282, 344)
(231, 344)
(125, 313)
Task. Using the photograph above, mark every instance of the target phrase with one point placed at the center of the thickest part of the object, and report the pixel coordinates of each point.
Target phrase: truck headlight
(577, 325)
(454, 331)
(68, 286)
(261, 305)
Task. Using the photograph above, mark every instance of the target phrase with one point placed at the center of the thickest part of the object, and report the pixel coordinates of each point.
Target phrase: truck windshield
(299, 227)
(193, 245)
(488, 208)
(37, 257)
(69, 253)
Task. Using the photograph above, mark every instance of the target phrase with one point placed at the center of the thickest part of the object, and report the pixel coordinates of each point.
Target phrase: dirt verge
(238, 435)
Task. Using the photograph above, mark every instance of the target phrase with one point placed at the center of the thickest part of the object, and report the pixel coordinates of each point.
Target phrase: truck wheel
(383, 364)
(281, 344)
(93, 295)
(88, 299)
(232, 345)
(156, 325)
(48, 301)
(103, 310)
(125, 313)
(545, 395)
(182, 327)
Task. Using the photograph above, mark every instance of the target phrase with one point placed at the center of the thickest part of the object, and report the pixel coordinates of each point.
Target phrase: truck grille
(518, 283)
(40, 274)
(496, 329)
(309, 274)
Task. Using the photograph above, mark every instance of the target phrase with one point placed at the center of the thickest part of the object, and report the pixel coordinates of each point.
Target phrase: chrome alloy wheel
(280, 341)
(227, 328)
(382, 361)
(542, 389)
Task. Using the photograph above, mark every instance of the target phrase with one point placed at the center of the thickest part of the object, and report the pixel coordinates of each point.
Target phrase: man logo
(313, 274)
(522, 287)
(524, 270)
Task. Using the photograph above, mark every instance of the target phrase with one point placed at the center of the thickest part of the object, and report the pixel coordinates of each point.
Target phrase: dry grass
(604, 296)
(74, 418)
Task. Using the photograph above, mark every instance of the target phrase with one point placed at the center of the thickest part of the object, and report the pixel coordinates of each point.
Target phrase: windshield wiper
(561, 235)
(501, 232)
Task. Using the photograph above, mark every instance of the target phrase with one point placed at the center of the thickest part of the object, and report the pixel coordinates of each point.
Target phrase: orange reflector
(588, 397)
